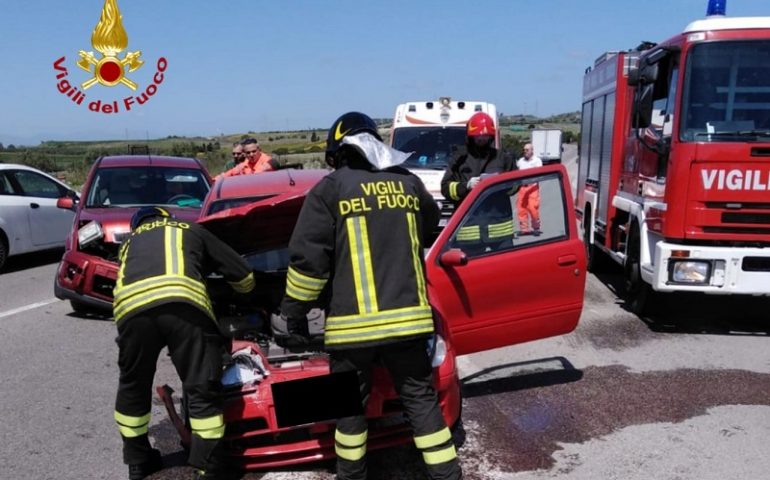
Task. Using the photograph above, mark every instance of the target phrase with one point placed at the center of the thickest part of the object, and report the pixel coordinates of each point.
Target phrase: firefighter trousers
(412, 375)
(528, 208)
(196, 347)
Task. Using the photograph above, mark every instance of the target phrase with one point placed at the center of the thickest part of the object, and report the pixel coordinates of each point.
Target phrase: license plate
(317, 399)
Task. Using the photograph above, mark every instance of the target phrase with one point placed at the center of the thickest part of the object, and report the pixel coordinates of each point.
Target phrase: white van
(434, 130)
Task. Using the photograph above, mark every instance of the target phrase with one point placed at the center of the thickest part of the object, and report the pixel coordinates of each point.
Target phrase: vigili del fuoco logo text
(109, 69)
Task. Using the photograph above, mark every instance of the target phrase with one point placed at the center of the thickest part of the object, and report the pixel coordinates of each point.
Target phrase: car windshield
(132, 186)
(727, 92)
(432, 146)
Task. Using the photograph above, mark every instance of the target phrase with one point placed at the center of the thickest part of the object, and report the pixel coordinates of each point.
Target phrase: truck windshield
(726, 96)
(432, 146)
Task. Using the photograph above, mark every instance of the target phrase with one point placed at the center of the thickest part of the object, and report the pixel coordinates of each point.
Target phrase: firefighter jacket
(166, 260)
(493, 220)
(464, 166)
(361, 230)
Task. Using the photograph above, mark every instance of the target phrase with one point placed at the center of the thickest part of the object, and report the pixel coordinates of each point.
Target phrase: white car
(29, 217)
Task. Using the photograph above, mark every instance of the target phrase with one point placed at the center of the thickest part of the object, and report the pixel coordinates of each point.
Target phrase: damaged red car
(115, 188)
(489, 292)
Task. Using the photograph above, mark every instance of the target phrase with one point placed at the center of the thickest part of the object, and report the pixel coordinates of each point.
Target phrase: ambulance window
(514, 214)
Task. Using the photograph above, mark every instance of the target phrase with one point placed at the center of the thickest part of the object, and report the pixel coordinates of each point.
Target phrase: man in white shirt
(528, 200)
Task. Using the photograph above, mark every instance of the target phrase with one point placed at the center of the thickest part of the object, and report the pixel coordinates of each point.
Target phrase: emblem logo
(338, 134)
(109, 38)
(109, 69)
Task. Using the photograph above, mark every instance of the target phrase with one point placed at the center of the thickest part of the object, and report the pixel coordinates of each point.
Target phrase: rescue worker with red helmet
(464, 172)
(161, 301)
(360, 236)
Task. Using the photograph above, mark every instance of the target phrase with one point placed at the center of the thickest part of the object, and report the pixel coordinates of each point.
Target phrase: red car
(486, 294)
(115, 188)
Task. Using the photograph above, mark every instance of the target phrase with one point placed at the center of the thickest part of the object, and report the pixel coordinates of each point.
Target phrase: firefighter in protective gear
(360, 234)
(464, 172)
(161, 300)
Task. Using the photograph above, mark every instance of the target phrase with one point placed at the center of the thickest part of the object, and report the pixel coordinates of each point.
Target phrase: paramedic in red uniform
(360, 233)
(161, 301)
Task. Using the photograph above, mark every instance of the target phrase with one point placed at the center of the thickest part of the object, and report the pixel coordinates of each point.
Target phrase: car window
(35, 185)
(181, 187)
(5, 185)
(514, 214)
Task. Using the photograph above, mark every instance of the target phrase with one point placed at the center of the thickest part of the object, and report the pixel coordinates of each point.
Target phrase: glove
(472, 182)
(298, 333)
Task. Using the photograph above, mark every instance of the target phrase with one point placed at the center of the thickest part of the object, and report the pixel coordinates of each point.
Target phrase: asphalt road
(685, 396)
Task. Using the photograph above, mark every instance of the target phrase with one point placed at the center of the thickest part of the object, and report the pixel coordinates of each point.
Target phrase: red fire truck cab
(674, 168)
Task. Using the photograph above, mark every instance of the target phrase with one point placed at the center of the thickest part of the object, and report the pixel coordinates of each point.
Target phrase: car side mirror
(453, 257)
(66, 203)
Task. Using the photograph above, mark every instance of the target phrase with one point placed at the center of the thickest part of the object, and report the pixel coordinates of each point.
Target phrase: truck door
(495, 276)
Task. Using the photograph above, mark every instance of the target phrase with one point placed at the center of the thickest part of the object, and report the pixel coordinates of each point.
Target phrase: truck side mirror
(642, 111)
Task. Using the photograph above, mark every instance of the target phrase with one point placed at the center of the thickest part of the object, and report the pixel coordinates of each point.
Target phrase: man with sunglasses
(237, 156)
(256, 161)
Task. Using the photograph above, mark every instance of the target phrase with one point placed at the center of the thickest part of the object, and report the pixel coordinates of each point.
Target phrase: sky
(251, 65)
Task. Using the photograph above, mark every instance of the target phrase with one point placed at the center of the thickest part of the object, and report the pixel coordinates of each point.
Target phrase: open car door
(496, 280)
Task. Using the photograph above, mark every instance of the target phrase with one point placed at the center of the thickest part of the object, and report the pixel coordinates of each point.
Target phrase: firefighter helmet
(481, 124)
(147, 212)
(350, 123)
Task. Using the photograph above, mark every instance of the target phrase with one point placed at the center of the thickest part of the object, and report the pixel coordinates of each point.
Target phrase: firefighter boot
(139, 471)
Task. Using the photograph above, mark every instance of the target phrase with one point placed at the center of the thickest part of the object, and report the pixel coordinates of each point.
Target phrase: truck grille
(751, 218)
(756, 264)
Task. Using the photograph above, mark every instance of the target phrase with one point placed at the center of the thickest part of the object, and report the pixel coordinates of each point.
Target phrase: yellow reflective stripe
(300, 293)
(131, 427)
(417, 257)
(500, 229)
(360, 257)
(379, 318)
(453, 190)
(179, 251)
(349, 440)
(131, 421)
(394, 315)
(350, 454)
(470, 232)
(379, 333)
(159, 294)
(209, 427)
(432, 439)
(167, 250)
(245, 285)
(442, 456)
(152, 282)
(304, 281)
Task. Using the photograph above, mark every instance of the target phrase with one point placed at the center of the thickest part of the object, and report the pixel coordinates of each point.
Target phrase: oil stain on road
(520, 424)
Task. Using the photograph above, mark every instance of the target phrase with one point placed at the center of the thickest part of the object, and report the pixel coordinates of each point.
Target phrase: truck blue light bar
(716, 7)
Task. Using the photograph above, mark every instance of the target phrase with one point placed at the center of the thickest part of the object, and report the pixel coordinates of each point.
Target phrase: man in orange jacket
(256, 161)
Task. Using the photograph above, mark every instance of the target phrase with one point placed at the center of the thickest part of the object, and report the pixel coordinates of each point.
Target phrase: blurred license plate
(317, 399)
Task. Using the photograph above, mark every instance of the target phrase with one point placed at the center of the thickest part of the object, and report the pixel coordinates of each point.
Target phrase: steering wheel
(181, 196)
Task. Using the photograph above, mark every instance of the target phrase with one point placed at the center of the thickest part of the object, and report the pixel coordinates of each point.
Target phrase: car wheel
(80, 307)
(3, 251)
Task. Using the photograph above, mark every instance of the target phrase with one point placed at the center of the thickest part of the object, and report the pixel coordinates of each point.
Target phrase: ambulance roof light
(429, 105)
(444, 101)
(460, 104)
(716, 7)
(477, 107)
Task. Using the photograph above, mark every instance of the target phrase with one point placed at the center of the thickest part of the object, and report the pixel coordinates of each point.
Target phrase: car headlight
(691, 271)
(89, 233)
(436, 350)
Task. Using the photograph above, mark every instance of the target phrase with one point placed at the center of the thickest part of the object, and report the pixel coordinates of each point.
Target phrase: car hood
(116, 222)
(267, 219)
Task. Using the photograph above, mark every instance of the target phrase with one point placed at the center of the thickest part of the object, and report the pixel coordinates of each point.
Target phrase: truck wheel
(596, 262)
(637, 291)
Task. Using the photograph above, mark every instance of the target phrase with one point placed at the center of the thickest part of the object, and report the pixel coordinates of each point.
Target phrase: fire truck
(434, 130)
(674, 167)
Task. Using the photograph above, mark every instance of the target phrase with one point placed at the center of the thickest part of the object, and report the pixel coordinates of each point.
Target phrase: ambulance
(433, 131)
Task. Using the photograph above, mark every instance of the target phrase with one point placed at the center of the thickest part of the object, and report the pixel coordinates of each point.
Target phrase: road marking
(28, 307)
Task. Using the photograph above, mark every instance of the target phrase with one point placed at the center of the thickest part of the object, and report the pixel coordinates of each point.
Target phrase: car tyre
(3, 250)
